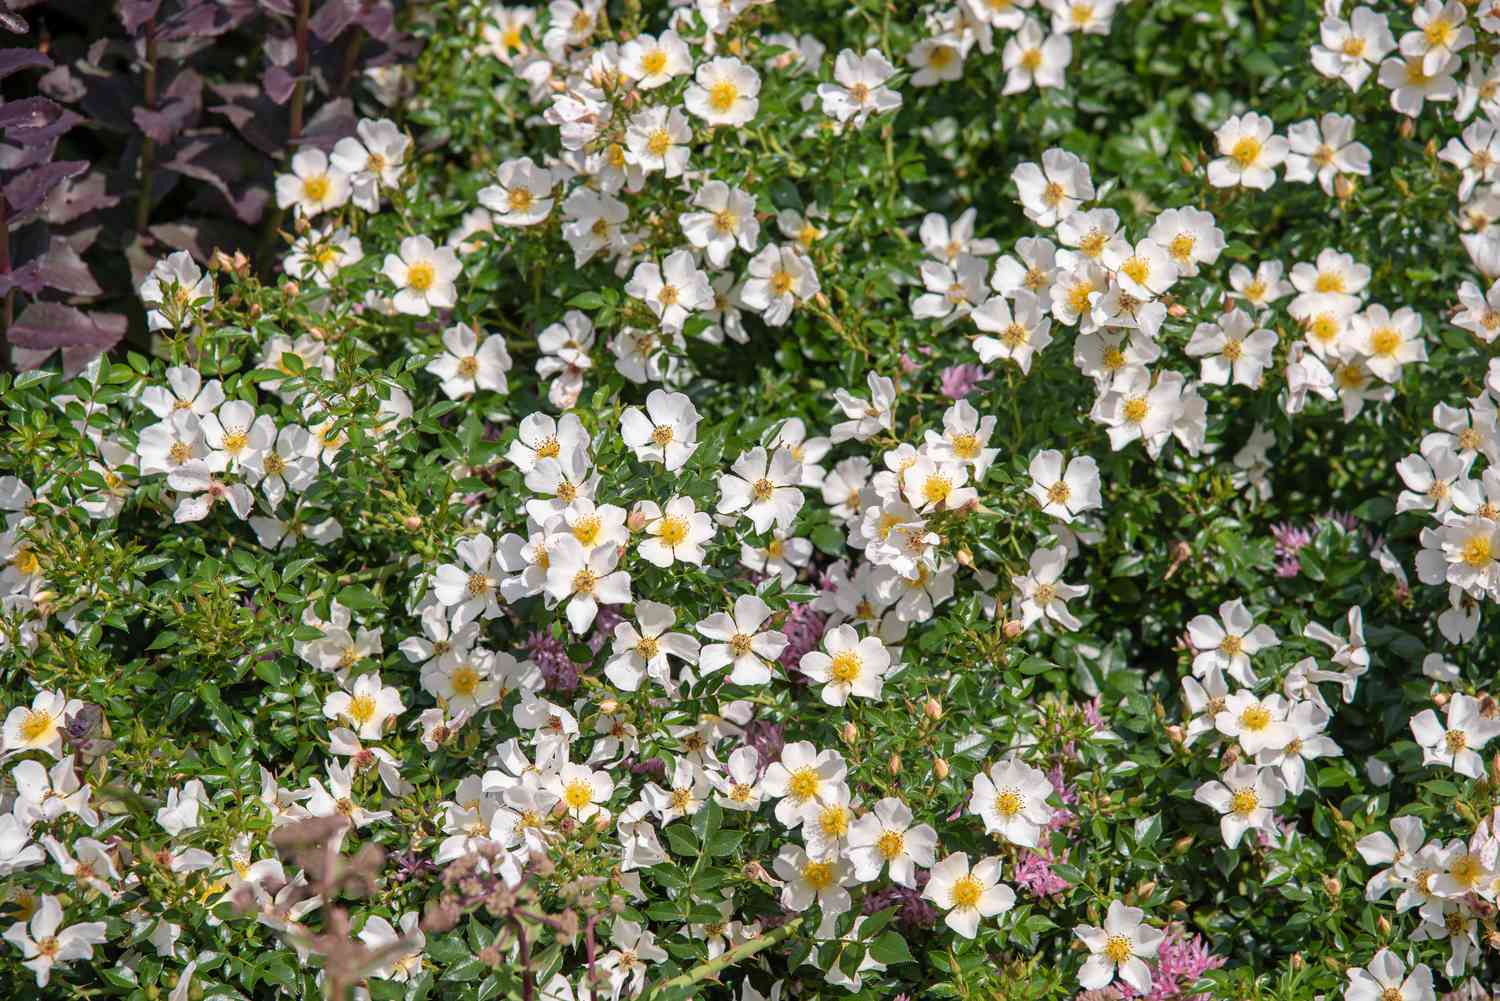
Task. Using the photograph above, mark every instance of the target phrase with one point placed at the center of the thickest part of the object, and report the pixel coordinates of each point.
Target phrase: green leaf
(890, 949)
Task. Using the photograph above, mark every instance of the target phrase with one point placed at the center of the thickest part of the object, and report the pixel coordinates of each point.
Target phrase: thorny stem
(528, 975)
(299, 88)
(712, 968)
(589, 944)
(148, 145)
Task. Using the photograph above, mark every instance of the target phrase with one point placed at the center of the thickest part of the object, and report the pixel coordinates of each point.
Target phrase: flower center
(966, 893)
(1353, 47)
(941, 56)
(468, 366)
(818, 875)
(722, 95)
(578, 794)
(465, 681)
(845, 667)
(519, 199)
(274, 464)
(1455, 741)
(740, 792)
(1245, 151)
(1136, 409)
(1255, 718)
(1384, 342)
(1244, 801)
(761, 490)
(803, 784)
(659, 142)
(1032, 59)
(833, 821)
(48, 946)
(1477, 551)
(966, 446)
(316, 188)
(1014, 336)
(1009, 802)
(36, 725)
(420, 276)
(682, 799)
(654, 62)
(1231, 645)
(1330, 282)
(479, 584)
(1053, 194)
(362, 709)
(1117, 948)
(935, 489)
(647, 647)
(1234, 349)
(584, 582)
(891, 845)
(586, 529)
(740, 644)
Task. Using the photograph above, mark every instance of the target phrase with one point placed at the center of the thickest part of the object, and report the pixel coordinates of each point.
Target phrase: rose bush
(760, 500)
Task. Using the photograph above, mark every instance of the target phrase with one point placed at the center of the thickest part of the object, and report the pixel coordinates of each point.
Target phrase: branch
(711, 969)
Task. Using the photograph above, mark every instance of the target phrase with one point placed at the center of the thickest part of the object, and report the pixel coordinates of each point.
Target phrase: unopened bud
(894, 765)
(1177, 906)
(933, 709)
(636, 520)
(291, 290)
(1332, 885)
(1383, 925)
(255, 310)
(850, 733)
(1333, 964)
(1175, 734)
(1297, 961)
(1013, 628)
(608, 706)
(964, 556)
(602, 821)
(1231, 756)
(1177, 310)
(1182, 844)
(1186, 164)
(1440, 699)
(1145, 890)
(1406, 128)
(413, 522)
(1343, 187)
(939, 769)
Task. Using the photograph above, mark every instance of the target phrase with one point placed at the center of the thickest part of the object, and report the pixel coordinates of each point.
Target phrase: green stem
(712, 968)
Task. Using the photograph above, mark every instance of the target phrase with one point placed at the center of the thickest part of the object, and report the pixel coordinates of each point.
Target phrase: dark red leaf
(47, 325)
(28, 191)
(15, 60)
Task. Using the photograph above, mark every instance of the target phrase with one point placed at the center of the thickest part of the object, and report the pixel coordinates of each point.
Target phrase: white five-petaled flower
(726, 219)
(581, 789)
(44, 942)
(780, 278)
(585, 579)
(886, 837)
(741, 642)
(1233, 350)
(860, 89)
(676, 531)
(313, 186)
(1246, 797)
(641, 652)
(763, 487)
(1042, 595)
(473, 361)
(664, 432)
(521, 194)
(1249, 153)
(1384, 978)
(1226, 644)
(1120, 948)
(369, 705)
(672, 289)
(1012, 800)
(1064, 494)
(424, 276)
(968, 894)
(847, 665)
(1054, 190)
(723, 92)
(1457, 741)
(1015, 328)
